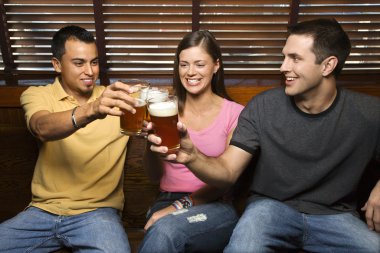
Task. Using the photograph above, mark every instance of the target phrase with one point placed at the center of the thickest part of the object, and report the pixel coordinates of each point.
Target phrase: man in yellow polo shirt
(77, 183)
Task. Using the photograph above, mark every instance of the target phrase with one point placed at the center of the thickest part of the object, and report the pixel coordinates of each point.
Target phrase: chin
(289, 92)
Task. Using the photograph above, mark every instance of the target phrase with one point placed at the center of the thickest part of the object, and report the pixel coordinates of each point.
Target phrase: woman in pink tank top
(189, 215)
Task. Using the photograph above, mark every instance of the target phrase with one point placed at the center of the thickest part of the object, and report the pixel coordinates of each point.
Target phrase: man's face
(303, 75)
(79, 68)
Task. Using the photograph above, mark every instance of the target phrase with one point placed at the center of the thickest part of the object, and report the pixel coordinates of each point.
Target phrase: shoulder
(361, 104)
(232, 105)
(359, 96)
(270, 96)
(41, 88)
(37, 91)
(360, 99)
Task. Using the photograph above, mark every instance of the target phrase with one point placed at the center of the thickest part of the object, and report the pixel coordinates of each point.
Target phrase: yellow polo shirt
(81, 172)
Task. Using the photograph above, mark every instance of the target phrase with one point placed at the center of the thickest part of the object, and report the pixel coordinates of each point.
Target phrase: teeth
(290, 78)
(192, 80)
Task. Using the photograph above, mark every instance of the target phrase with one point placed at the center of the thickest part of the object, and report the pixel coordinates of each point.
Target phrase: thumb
(182, 129)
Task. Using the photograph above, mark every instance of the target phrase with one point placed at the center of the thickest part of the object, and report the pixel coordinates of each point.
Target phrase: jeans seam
(38, 245)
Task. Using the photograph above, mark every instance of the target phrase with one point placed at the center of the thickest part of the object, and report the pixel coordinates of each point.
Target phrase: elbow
(40, 136)
(39, 133)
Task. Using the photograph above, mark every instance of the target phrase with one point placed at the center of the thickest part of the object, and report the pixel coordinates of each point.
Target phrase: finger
(119, 85)
(161, 150)
(181, 127)
(106, 101)
(120, 92)
(147, 126)
(369, 217)
(376, 218)
(376, 223)
(171, 157)
(154, 139)
(148, 224)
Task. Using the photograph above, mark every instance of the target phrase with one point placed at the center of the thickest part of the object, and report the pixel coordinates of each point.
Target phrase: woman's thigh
(203, 228)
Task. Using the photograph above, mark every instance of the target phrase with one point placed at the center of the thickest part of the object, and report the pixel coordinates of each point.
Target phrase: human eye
(95, 62)
(296, 58)
(78, 63)
(200, 64)
(183, 64)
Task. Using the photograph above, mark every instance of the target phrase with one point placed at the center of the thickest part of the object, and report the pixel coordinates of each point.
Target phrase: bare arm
(48, 126)
(221, 172)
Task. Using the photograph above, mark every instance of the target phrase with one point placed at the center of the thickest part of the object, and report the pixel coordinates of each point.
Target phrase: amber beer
(164, 115)
(131, 124)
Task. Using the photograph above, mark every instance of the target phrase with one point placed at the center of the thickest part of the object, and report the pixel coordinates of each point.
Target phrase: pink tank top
(211, 141)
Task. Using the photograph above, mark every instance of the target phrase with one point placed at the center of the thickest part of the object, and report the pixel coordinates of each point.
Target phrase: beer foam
(163, 109)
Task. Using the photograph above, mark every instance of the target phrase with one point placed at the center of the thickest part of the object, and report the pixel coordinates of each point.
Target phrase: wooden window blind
(251, 33)
(361, 20)
(139, 37)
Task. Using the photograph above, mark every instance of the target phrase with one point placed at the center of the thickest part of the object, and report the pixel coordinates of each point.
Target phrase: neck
(316, 101)
(201, 103)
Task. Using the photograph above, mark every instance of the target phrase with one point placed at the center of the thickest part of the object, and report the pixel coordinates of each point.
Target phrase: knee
(164, 229)
(371, 245)
(161, 236)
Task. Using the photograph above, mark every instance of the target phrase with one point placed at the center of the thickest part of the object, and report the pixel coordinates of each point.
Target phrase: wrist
(177, 205)
(74, 118)
(183, 203)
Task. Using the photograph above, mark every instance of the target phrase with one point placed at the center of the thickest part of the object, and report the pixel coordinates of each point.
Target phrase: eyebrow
(195, 61)
(81, 59)
(292, 55)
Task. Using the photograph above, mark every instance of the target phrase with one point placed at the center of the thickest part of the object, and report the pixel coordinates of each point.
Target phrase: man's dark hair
(66, 33)
(329, 40)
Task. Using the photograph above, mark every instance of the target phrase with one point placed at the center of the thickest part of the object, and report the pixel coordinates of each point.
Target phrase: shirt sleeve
(33, 100)
(246, 134)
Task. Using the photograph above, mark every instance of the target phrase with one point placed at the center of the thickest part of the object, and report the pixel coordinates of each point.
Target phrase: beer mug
(163, 113)
(132, 124)
(154, 92)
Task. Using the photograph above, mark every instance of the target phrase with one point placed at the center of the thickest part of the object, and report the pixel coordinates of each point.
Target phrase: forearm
(211, 170)
(48, 126)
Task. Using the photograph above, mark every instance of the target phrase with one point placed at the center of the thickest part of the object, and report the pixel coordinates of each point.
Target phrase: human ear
(328, 65)
(56, 64)
(217, 66)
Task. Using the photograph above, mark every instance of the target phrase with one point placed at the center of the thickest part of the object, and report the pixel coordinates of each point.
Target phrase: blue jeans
(271, 226)
(203, 228)
(35, 230)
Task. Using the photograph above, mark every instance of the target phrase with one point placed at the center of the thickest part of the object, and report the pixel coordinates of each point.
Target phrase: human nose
(191, 70)
(284, 66)
(88, 70)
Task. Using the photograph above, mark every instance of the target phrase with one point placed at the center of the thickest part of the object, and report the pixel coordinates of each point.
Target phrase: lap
(203, 228)
(37, 229)
(199, 219)
(268, 224)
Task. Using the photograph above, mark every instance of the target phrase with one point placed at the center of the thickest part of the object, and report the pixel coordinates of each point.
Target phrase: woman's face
(196, 69)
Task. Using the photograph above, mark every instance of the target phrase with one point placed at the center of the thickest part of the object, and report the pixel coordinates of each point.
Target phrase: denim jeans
(203, 228)
(271, 226)
(35, 230)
